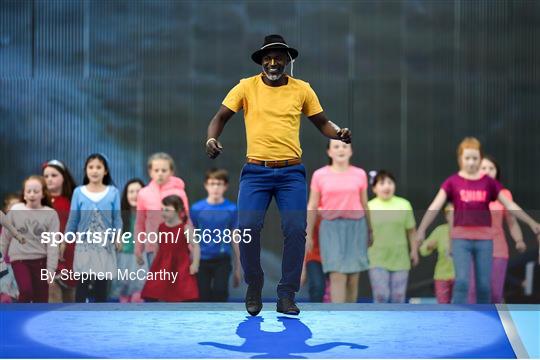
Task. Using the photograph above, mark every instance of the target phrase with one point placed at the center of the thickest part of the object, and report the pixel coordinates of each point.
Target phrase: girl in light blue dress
(95, 208)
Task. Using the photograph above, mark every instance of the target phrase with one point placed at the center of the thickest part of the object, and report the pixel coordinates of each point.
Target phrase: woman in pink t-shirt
(339, 193)
(490, 167)
(471, 192)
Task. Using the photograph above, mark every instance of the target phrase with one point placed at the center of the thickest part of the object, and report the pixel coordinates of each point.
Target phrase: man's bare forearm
(217, 124)
(215, 128)
(330, 130)
(325, 126)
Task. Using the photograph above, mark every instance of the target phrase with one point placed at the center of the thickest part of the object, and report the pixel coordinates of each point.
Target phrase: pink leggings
(388, 286)
(443, 291)
(498, 277)
(28, 276)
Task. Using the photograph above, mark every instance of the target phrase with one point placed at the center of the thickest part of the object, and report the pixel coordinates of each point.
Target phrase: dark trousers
(100, 288)
(316, 281)
(213, 279)
(258, 185)
(28, 276)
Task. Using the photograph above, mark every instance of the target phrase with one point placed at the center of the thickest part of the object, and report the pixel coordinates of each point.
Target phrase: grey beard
(272, 77)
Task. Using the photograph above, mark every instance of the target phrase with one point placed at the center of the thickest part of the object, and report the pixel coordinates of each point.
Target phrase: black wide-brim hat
(272, 42)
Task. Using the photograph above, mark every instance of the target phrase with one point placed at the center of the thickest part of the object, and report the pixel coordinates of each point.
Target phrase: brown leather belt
(275, 163)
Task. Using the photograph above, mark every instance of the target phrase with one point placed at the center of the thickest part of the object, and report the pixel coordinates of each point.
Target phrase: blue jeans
(258, 184)
(316, 281)
(463, 252)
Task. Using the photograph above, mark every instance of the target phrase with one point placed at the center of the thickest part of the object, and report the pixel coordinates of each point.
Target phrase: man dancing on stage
(273, 103)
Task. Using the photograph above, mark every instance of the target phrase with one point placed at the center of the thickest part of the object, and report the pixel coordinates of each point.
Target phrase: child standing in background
(444, 275)
(29, 255)
(471, 191)
(128, 290)
(490, 167)
(161, 170)
(312, 271)
(8, 285)
(339, 195)
(95, 207)
(60, 185)
(174, 257)
(218, 217)
(394, 241)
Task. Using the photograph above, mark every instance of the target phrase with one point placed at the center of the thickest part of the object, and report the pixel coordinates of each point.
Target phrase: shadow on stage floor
(199, 330)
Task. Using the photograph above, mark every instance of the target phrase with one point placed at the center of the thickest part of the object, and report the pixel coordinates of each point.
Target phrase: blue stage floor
(224, 331)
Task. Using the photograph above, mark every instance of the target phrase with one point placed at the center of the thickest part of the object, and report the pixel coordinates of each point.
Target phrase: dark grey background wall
(410, 78)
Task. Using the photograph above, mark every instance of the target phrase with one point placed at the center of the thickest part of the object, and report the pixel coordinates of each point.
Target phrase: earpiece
(292, 64)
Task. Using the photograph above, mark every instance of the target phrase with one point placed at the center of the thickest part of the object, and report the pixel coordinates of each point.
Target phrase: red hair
(468, 143)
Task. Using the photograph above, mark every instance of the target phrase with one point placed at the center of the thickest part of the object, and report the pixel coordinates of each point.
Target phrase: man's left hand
(344, 135)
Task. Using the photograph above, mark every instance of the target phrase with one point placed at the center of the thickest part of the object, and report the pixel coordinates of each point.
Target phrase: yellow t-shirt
(272, 115)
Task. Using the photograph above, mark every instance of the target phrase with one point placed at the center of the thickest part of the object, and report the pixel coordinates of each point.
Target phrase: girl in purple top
(471, 191)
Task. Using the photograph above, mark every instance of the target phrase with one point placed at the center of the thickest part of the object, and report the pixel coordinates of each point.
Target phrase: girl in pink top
(163, 184)
(339, 196)
(471, 192)
(490, 167)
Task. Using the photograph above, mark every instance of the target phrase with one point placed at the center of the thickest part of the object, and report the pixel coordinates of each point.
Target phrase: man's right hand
(344, 135)
(213, 148)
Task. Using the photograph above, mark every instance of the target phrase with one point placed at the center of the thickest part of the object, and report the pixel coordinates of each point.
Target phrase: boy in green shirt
(444, 275)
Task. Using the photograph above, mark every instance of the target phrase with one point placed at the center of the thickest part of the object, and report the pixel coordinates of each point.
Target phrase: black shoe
(287, 306)
(253, 301)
